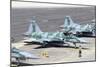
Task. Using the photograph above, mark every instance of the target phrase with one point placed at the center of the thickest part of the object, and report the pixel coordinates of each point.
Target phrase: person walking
(80, 51)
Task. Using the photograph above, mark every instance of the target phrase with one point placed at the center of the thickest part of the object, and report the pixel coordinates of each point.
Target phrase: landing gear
(45, 43)
(65, 41)
(74, 44)
(18, 61)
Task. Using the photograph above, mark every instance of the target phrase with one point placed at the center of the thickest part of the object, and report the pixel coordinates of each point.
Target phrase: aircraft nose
(83, 41)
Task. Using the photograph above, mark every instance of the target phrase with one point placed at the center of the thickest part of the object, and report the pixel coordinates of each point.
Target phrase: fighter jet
(46, 38)
(77, 29)
(21, 55)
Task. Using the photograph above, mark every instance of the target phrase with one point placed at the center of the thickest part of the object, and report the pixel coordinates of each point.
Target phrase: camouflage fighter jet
(21, 55)
(34, 34)
(77, 29)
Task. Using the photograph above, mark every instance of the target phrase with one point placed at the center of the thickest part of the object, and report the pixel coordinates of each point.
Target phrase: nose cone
(83, 41)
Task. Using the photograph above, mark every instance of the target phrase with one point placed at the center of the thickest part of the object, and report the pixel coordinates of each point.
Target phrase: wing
(29, 40)
(75, 39)
(29, 55)
(15, 55)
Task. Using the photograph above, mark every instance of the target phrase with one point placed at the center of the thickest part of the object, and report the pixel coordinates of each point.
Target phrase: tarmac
(58, 54)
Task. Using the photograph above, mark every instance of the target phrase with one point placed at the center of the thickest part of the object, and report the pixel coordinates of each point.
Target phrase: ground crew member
(80, 51)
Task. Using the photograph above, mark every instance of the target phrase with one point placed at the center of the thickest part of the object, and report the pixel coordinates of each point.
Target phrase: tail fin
(68, 21)
(68, 24)
(33, 27)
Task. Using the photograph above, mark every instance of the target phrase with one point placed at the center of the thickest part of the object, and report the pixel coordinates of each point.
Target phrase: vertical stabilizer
(68, 21)
(33, 27)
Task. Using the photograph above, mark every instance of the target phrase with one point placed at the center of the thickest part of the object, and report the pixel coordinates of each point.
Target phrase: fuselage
(81, 30)
(47, 35)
